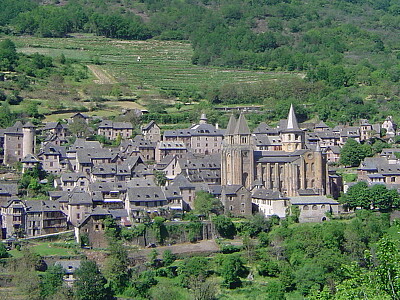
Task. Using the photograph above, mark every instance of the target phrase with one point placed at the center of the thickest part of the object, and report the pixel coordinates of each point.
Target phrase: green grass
(164, 65)
(45, 249)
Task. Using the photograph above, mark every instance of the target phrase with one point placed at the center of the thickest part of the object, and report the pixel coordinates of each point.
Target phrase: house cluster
(267, 170)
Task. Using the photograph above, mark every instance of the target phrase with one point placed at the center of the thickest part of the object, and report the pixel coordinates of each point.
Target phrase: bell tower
(237, 162)
(293, 138)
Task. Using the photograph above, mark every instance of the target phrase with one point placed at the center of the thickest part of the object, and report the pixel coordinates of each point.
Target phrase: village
(267, 171)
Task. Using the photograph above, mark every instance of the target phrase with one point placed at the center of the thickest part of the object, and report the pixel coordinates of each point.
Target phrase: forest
(347, 50)
(354, 258)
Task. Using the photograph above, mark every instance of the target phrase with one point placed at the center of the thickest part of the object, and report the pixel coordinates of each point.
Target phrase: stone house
(92, 228)
(170, 148)
(76, 205)
(73, 181)
(112, 130)
(142, 201)
(202, 138)
(151, 132)
(13, 217)
(269, 202)
(30, 162)
(236, 200)
(44, 217)
(19, 141)
(54, 159)
(56, 129)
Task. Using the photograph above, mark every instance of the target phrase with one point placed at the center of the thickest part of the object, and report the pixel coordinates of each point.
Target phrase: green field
(164, 65)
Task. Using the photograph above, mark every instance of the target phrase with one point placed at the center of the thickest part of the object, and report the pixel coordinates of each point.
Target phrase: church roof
(292, 120)
(241, 126)
(231, 125)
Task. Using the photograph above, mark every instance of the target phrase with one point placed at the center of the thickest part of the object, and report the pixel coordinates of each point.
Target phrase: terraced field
(163, 64)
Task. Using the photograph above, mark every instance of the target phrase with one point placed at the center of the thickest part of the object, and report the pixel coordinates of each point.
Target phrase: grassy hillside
(116, 79)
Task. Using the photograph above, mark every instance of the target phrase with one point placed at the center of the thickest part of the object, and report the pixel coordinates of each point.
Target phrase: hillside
(347, 51)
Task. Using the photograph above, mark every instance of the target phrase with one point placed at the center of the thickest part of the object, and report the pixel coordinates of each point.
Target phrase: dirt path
(199, 247)
(102, 76)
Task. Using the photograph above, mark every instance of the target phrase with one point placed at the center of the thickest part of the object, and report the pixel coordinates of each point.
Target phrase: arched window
(305, 207)
(314, 207)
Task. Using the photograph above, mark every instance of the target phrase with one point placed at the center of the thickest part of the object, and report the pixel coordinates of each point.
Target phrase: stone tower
(28, 139)
(237, 162)
(293, 138)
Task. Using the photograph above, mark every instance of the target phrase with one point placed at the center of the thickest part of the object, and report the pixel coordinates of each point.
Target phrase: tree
(231, 269)
(3, 251)
(192, 268)
(383, 198)
(205, 203)
(51, 281)
(90, 283)
(160, 178)
(8, 55)
(352, 153)
(358, 195)
(168, 257)
(388, 270)
(224, 226)
(116, 266)
(79, 128)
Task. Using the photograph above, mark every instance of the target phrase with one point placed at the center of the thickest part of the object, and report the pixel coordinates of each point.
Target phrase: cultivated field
(117, 79)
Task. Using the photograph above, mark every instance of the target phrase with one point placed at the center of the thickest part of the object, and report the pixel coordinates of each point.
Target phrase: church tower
(28, 138)
(237, 162)
(293, 138)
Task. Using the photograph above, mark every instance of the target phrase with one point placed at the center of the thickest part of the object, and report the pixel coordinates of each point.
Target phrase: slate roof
(139, 182)
(231, 189)
(30, 158)
(241, 126)
(42, 206)
(69, 266)
(321, 125)
(8, 189)
(72, 177)
(154, 193)
(108, 186)
(266, 194)
(172, 145)
(306, 200)
(149, 125)
(181, 182)
(15, 129)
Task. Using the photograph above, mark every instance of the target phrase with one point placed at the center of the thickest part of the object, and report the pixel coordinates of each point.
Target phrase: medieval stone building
(293, 171)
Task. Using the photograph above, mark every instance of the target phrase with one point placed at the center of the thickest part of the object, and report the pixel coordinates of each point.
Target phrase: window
(393, 179)
(305, 207)
(314, 207)
(78, 216)
(78, 207)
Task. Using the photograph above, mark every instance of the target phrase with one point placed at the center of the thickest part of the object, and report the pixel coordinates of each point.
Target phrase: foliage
(231, 269)
(90, 283)
(378, 197)
(116, 266)
(160, 178)
(224, 226)
(52, 280)
(3, 251)
(205, 203)
(194, 267)
(352, 153)
(168, 257)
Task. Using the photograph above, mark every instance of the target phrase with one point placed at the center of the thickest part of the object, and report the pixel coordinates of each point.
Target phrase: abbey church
(292, 168)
